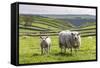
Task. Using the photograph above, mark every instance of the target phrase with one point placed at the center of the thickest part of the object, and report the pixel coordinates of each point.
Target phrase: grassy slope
(53, 24)
(93, 26)
(29, 51)
(88, 24)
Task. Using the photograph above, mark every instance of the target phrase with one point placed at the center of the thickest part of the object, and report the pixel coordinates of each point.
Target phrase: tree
(26, 20)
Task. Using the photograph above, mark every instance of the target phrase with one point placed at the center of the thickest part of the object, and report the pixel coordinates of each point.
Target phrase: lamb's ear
(78, 34)
(40, 37)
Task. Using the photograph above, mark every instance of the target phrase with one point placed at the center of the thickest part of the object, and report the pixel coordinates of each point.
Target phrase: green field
(29, 51)
(29, 46)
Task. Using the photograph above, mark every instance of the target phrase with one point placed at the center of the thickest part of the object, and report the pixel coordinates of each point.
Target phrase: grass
(93, 26)
(44, 26)
(29, 51)
(29, 47)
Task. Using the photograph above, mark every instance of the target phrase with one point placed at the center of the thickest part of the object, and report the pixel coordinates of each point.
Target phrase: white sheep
(69, 39)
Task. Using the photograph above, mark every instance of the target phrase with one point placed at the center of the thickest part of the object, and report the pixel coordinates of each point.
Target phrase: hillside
(76, 20)
(69, 16)
(40, 23)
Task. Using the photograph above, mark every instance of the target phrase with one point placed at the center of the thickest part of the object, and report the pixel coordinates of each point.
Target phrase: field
(30, 51)
(29, 40)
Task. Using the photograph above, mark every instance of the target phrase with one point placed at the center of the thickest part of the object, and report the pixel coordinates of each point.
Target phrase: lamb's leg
(41, 50)
(46, 50)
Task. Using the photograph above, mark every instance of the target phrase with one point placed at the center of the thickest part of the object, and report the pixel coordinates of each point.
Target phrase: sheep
(45, 44)
(69, 39)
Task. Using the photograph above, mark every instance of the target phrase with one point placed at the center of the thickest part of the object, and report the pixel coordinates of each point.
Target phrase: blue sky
(37, 9)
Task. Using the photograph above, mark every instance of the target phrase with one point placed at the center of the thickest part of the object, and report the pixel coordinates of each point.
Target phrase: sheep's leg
(76, 50)
(49, 49)
(71, 50)
(64, 49)
(61, 47)
(61, 50)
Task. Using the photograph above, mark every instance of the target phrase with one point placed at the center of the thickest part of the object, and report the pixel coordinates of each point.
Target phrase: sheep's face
(75, 36)
(43, 37)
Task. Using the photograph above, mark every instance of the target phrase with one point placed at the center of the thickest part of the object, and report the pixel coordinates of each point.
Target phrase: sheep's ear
(47, 37)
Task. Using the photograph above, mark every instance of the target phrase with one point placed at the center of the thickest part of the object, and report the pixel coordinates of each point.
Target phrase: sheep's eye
(72, 33)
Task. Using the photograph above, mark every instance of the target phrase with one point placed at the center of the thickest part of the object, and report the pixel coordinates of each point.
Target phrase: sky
(37, 9)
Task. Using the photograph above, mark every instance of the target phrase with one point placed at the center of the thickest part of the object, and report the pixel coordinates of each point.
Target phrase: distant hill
(76, 20)
(79, 21)
(69, 16)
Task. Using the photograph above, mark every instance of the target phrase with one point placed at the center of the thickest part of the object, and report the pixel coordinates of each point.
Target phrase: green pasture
(29, 50)
(29, 46)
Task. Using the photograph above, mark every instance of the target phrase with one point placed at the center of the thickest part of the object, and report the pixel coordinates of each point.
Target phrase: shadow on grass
(36, 54)
(63, 54)
(53, 54)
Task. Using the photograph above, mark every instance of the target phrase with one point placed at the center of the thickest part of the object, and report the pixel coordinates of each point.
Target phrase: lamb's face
(43, 38)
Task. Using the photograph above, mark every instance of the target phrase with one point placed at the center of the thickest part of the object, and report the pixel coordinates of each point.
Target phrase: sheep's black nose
(75, 38)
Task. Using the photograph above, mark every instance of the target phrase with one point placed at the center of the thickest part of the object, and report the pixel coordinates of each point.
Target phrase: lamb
(69, 40)
(45, 44)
